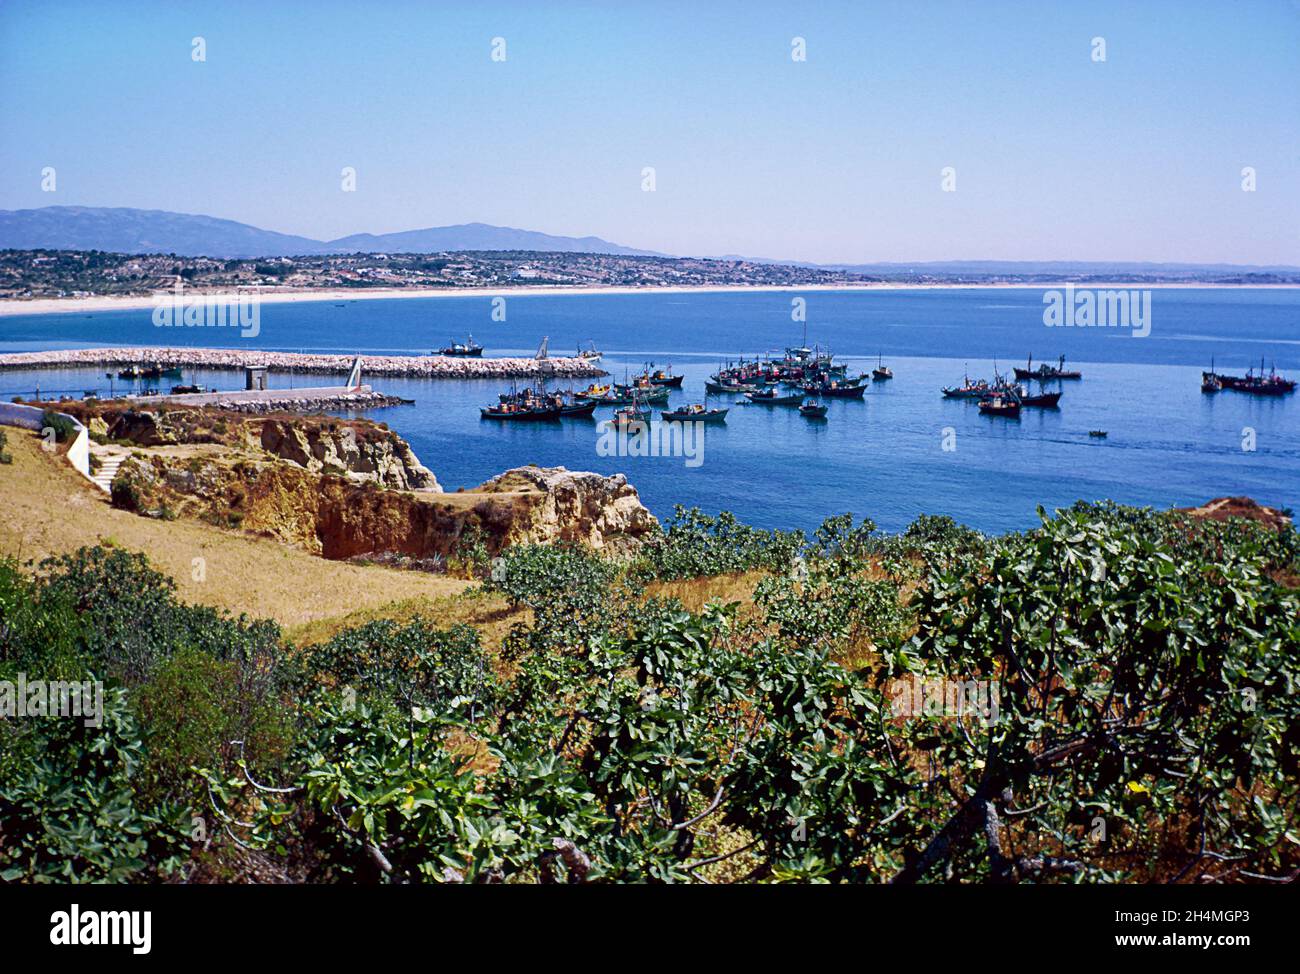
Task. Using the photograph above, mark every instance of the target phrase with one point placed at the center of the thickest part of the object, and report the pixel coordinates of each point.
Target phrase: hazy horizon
(838, 159)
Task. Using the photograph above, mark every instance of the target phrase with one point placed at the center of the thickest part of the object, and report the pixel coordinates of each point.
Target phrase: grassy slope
(49, 508)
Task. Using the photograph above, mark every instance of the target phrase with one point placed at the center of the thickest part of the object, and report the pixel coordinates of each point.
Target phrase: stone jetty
(281, 400)
(404, 366)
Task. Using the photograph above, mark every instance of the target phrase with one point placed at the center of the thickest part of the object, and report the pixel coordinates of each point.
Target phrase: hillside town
(26, 274)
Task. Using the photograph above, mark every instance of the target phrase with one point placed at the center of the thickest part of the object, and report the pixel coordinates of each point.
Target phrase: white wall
(29, 417)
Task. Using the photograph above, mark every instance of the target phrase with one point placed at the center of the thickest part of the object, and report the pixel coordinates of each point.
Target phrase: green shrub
(193, 710)
(695, 545)
(64, 428)
(411, 665)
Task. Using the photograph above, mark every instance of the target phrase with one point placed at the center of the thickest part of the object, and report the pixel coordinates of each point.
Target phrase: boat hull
(841, 392)
(1047, 400)
(712, 416)
(521, 416)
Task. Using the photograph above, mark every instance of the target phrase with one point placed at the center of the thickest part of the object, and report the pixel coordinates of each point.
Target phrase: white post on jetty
(354, 377)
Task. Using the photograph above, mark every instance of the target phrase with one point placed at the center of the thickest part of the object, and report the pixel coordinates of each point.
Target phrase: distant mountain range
(128, 231)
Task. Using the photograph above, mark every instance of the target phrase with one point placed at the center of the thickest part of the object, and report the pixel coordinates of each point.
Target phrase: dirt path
(47, 508)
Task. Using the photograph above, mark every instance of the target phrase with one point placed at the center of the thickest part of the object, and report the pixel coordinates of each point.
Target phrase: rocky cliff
(338, 517)
(342, 449)
(358, 449)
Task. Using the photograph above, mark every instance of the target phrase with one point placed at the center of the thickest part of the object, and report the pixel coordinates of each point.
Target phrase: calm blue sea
(1168, 443)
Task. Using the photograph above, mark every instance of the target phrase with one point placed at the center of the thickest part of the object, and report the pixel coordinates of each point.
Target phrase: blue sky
(837, 158)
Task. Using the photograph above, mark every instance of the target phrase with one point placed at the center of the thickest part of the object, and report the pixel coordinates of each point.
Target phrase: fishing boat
(881, 372)
(695, 413)
(578, 410)
(154, 371)
(1271, 384)
(1097, 434)
(1044, 400)
(594, 391)
(661, 378)
(968, 389)
(735, 388)
(770, 397)
(836, 389)
(521, 412)
(589, 354)
(1211, 382)
(622, 395)
(466, 349)
(1000, 405)
(813, 410)
(630, 415)
(1047, 373)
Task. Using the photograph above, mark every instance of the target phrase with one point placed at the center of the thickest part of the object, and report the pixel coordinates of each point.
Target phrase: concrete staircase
(109, 460)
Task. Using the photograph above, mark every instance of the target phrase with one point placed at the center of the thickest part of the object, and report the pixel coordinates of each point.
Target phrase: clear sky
(836, 158)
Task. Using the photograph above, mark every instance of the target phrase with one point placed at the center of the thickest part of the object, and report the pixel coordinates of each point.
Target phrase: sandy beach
(92, 304)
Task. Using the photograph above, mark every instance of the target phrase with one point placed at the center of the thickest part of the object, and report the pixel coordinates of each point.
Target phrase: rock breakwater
(402, 366)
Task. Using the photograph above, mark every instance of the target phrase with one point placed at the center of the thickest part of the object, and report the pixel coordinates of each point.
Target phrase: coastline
(107, 303)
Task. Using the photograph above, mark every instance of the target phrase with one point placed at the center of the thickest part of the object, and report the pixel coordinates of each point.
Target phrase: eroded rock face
(144, 427)
(338, 517)
(386, 460)
(604, 513)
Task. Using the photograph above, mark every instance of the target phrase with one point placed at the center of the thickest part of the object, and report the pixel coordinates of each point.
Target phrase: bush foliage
(1143, 724)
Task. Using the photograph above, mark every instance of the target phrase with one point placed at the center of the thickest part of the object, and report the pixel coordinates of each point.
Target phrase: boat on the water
(1000, 405)
(466, 349)
(881, 372)
(1047, 373)
(1270, 384)
(695, 413)
(771, 397)
(594, 391)
(659, 377)
(836, 389)
(813, 410)
(154, 371)
(1097, 434)
(630, 415)
(589, 354)
(969, 389)
(577, 410)
(1044, 400)
(569, 404)
(715, 387)
(520, 412)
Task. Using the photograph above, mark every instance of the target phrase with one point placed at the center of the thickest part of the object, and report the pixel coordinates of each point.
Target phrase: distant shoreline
(101, 303)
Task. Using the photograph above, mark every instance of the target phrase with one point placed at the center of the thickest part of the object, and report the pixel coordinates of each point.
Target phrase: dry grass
(50, 509)
(489, 614)
(695, 593)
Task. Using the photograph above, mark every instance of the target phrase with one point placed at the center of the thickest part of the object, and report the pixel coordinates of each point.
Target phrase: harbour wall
(397, 366)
